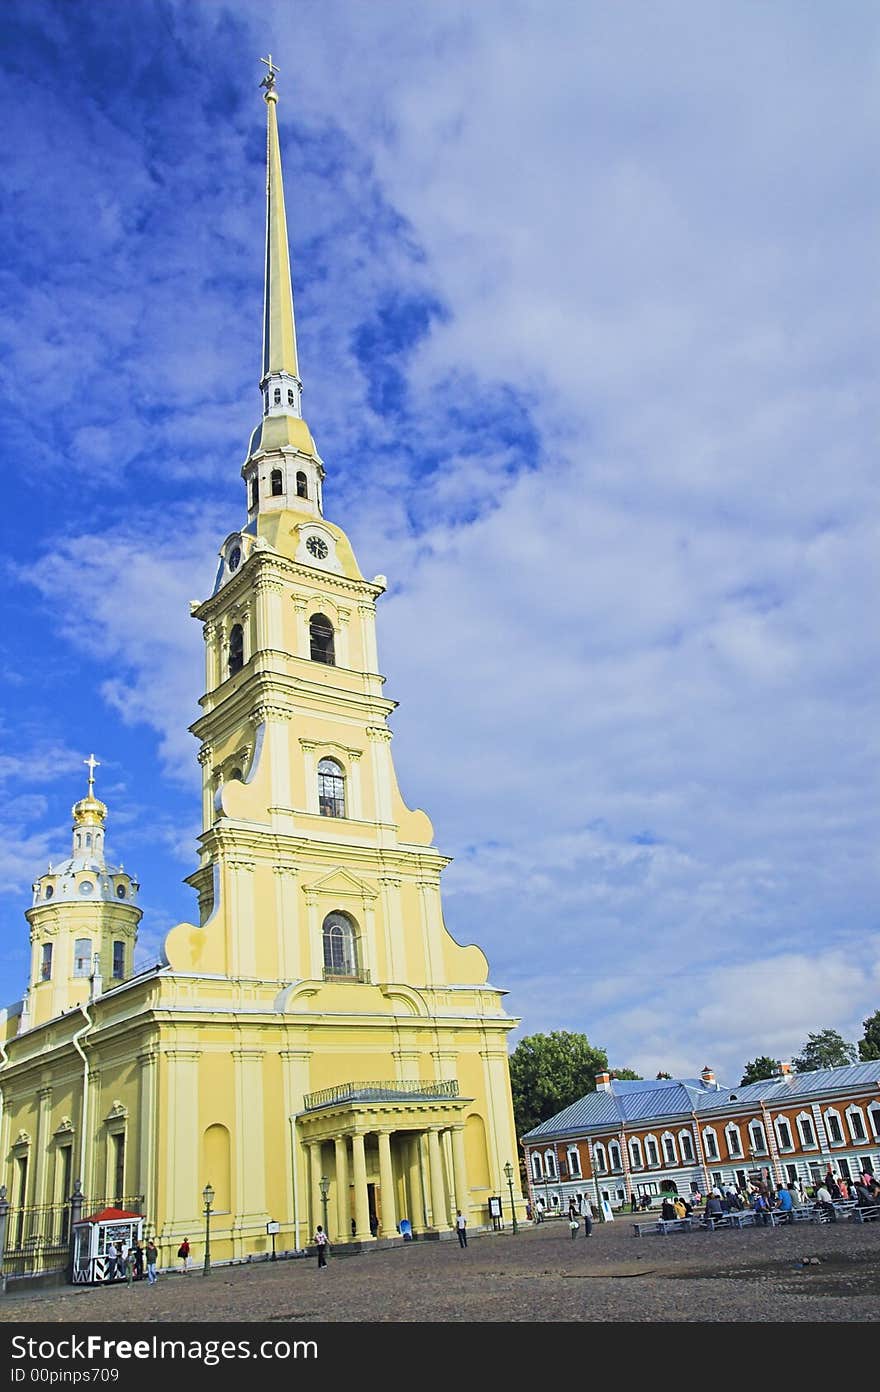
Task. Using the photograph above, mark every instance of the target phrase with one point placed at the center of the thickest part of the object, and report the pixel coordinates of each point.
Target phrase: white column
(380, 739)
(439, 1215)
(386, 1186)
(459, 1170)
(361, 1197)
(343, 1215)
(316, 939)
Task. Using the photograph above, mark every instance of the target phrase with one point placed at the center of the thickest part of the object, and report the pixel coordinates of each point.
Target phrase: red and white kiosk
(96, 1236)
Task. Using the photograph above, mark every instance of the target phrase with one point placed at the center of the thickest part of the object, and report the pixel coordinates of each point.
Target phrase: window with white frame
(636, 1158)
(710, 1144)
(806, 1131)
(791, 1174)
(783, 1133)
(550, 1164)
(652, 1154)
(874, 1118)
(331, 788)
(686, 1146)
(574, 1162)
(614, 1159)
(834, 1128)
(757, 1137)
(734, 1141)
(82, 957)
(537, 1167)
(340, 946)
(670, 1154)
(600, 1158)
(856, 1121)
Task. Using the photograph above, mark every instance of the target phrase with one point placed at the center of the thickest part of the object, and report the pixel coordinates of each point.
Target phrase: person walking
(461, 1227)
(588, 1219)
(122, 1260)
(138, 1261)
(321, 1244)
(183, 1253)
(151, 1254)
(112, 1259)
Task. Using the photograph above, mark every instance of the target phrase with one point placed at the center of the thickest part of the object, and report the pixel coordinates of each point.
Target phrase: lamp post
(324, 1186)
(508, 1170)
(208, 1196)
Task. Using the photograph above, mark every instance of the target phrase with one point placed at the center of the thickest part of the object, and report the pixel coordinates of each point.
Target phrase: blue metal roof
(633, 1101)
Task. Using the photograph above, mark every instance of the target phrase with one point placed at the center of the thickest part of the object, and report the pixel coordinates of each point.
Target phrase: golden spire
(279, 330)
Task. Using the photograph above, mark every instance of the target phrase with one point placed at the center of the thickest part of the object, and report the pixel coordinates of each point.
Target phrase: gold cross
(269, 80)
(93, 763)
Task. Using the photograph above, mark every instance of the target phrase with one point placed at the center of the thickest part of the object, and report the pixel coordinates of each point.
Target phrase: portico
(390, 1151)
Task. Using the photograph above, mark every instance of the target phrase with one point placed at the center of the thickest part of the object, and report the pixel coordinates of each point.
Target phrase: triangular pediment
(342, 884)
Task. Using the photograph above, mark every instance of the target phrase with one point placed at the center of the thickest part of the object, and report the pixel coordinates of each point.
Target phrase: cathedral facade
(317, 1047)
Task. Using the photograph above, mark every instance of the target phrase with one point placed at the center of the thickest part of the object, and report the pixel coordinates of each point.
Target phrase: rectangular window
(82, 957)
(669, 1150)
(46, 962)
(759, 1140)
(118, 1167)
(784, 1136)
(815, 1172)
(843, 1166)
(711, 1147)
(734, 1148)
(867, 1164)
(118, 961)
(835, 1135)
(806, 1130)
(856, 1129)
(791, 1173)
(651, 1149)
(687, 1150)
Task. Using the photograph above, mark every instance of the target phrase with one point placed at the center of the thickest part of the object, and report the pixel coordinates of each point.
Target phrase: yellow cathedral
(317, 1048)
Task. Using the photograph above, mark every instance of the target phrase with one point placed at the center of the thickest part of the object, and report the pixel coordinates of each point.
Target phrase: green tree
(827, 1049)
(661, 1074)
(760, 1068)
(549, 1072)
(869, 1044)
(626, 1073)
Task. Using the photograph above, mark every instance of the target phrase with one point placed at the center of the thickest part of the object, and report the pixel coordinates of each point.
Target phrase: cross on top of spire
(269, 80)
(93, 763)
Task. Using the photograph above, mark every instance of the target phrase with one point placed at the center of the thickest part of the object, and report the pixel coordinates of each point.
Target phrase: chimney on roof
(708, 1077)
(603, 1082)
(786, 1072)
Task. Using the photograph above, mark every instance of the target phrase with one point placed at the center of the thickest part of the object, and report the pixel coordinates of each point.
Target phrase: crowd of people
(763, 1199)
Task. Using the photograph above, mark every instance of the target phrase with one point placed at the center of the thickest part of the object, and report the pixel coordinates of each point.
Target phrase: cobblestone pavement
(540, 1274)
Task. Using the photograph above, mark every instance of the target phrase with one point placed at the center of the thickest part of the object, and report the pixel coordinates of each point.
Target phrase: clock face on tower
(317, 547)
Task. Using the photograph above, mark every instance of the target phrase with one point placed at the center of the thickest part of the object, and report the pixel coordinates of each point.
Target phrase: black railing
(38, 1235)
(379, 1092)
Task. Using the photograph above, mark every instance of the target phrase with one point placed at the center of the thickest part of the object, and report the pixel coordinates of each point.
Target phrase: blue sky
(587, 313)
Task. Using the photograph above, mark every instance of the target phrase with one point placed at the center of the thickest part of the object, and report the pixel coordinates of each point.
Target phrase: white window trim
(712, 1153)
(600, 1157)
(537, 1165)
(731, 1129)
(777, 1123)
(653, 1164)
(814, 1143)
(550, 1169)
(826, 1115)
(668, 1136)
(874, 1117)
(615, 1165)
(636, 1153)
(691, 1157)
(574, 1162)
(851, 1111)
(758, 1137)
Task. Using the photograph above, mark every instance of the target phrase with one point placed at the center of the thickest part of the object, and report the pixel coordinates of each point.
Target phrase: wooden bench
(865, 1213)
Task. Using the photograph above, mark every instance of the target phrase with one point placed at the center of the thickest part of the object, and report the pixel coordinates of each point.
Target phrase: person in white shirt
(461, 1227)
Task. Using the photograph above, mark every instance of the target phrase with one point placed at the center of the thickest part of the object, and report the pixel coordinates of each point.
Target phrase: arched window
(290, 398)
(321, 640)
(614, 1159)
(82, 957)
(118, 961)
(856, 1123)
(635, 1154)
(686, 1146)
(550, 1164)
(734, 1141)
(670, 1155)
(757, 1137)
(710, 1144)
(783, 1133)
(46, 963)
(651, 1151)
(807, 1133)
(236, 649)
(600, 1158)
(88, 839)
(574, 1162)
(276, 396)
(874, 1117)
(276, 483)
(340, 947)
(255, 491)
(331, 789)
(833, 1127)
(302, 485)
(537, 1167)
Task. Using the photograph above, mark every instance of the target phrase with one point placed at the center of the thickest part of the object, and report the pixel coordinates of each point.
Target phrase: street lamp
(508, 1170)
(208, 1196)
(324, 1186)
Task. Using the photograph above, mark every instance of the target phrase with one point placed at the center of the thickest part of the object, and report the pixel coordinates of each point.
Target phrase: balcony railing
(389, 1091)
